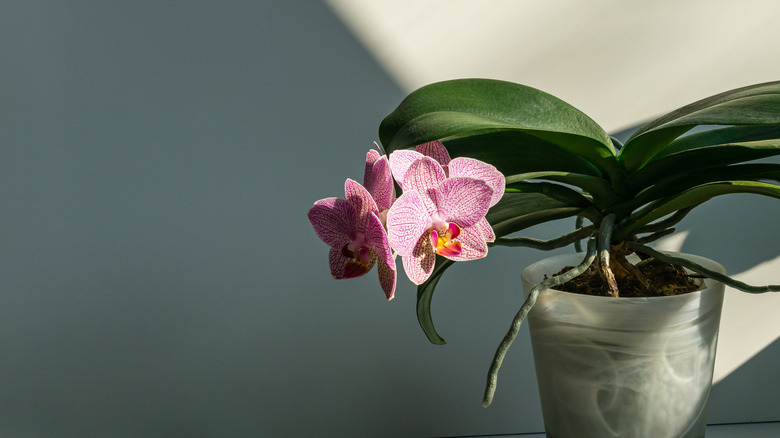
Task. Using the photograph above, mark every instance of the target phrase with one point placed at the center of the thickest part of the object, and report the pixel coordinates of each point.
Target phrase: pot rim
(708, 283)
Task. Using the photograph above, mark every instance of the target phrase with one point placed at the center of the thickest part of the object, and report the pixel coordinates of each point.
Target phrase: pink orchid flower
(437, 214)
(468, 167)
(378, 180)
(357, 239)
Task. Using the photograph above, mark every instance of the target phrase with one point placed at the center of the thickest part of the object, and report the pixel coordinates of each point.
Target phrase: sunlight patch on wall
(619, 62)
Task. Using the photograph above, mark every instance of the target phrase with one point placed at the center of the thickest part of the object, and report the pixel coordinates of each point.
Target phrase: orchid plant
(523, 157)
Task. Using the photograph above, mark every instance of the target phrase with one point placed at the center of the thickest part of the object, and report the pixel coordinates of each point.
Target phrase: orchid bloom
(357, 239)
(468, 167)
(437, 214)
(378, 180)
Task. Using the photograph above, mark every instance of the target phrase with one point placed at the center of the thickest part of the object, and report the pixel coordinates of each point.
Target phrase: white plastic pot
(623, 367)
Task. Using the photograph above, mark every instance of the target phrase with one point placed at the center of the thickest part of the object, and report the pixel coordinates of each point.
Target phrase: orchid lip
(353, 269)
(444, 244)
(362, 254)
(453, 248)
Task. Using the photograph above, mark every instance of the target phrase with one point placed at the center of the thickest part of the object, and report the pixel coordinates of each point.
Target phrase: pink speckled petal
(470, 167)
(362, 201)
(376, 238)
(334, 221)
(473, 245)
(371, 156)
(407, 220)
(434, 236)
(387, 278)
(463, 200)
(337, 261)
(487, 231)
(435, 150)
(399, 163)
(425, 175)
(378, 180)
(419, 264)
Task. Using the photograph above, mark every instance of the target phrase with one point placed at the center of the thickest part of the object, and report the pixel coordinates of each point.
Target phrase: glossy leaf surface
(702, 158)
(470, 108)
(692, 197)
(754, 105)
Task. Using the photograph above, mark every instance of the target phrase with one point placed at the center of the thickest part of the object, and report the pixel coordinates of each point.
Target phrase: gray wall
(158, 276)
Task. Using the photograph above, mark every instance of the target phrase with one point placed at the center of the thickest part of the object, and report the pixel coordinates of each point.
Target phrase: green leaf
(476, 107)
(599, 189)
(555, 191)
(424, 297)
(674, 185)
(692, 197)
(517, 211)
(757, 105)
(721, 136)
(702, 158)
(514, 152)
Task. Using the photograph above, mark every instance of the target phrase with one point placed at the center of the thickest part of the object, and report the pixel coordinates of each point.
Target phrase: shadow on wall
(755, 384)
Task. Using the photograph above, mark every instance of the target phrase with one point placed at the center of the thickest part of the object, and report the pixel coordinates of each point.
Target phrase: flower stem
(509, 338)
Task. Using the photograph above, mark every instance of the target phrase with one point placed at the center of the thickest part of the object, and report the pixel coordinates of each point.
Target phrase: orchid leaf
(701, 158)
(424, 297)
(475, 107)
(739, 172)
(757, 105)
(517, 211)
(598, 188)
(719, 137)
(512, 151)
(692, 197)
(555, 191)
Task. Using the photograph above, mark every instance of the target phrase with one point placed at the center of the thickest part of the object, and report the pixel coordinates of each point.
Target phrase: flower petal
(419, 264)
(400, 161)
(472, 168)
(376, 238)
(362, 201)
(378, 180)
(334, 221)
(371, 156)
(473, 245)
(487, 231)
(435, 150)
(387, 278)
(463, 200)
(337, 260)
(407, 220)
(425, 175)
